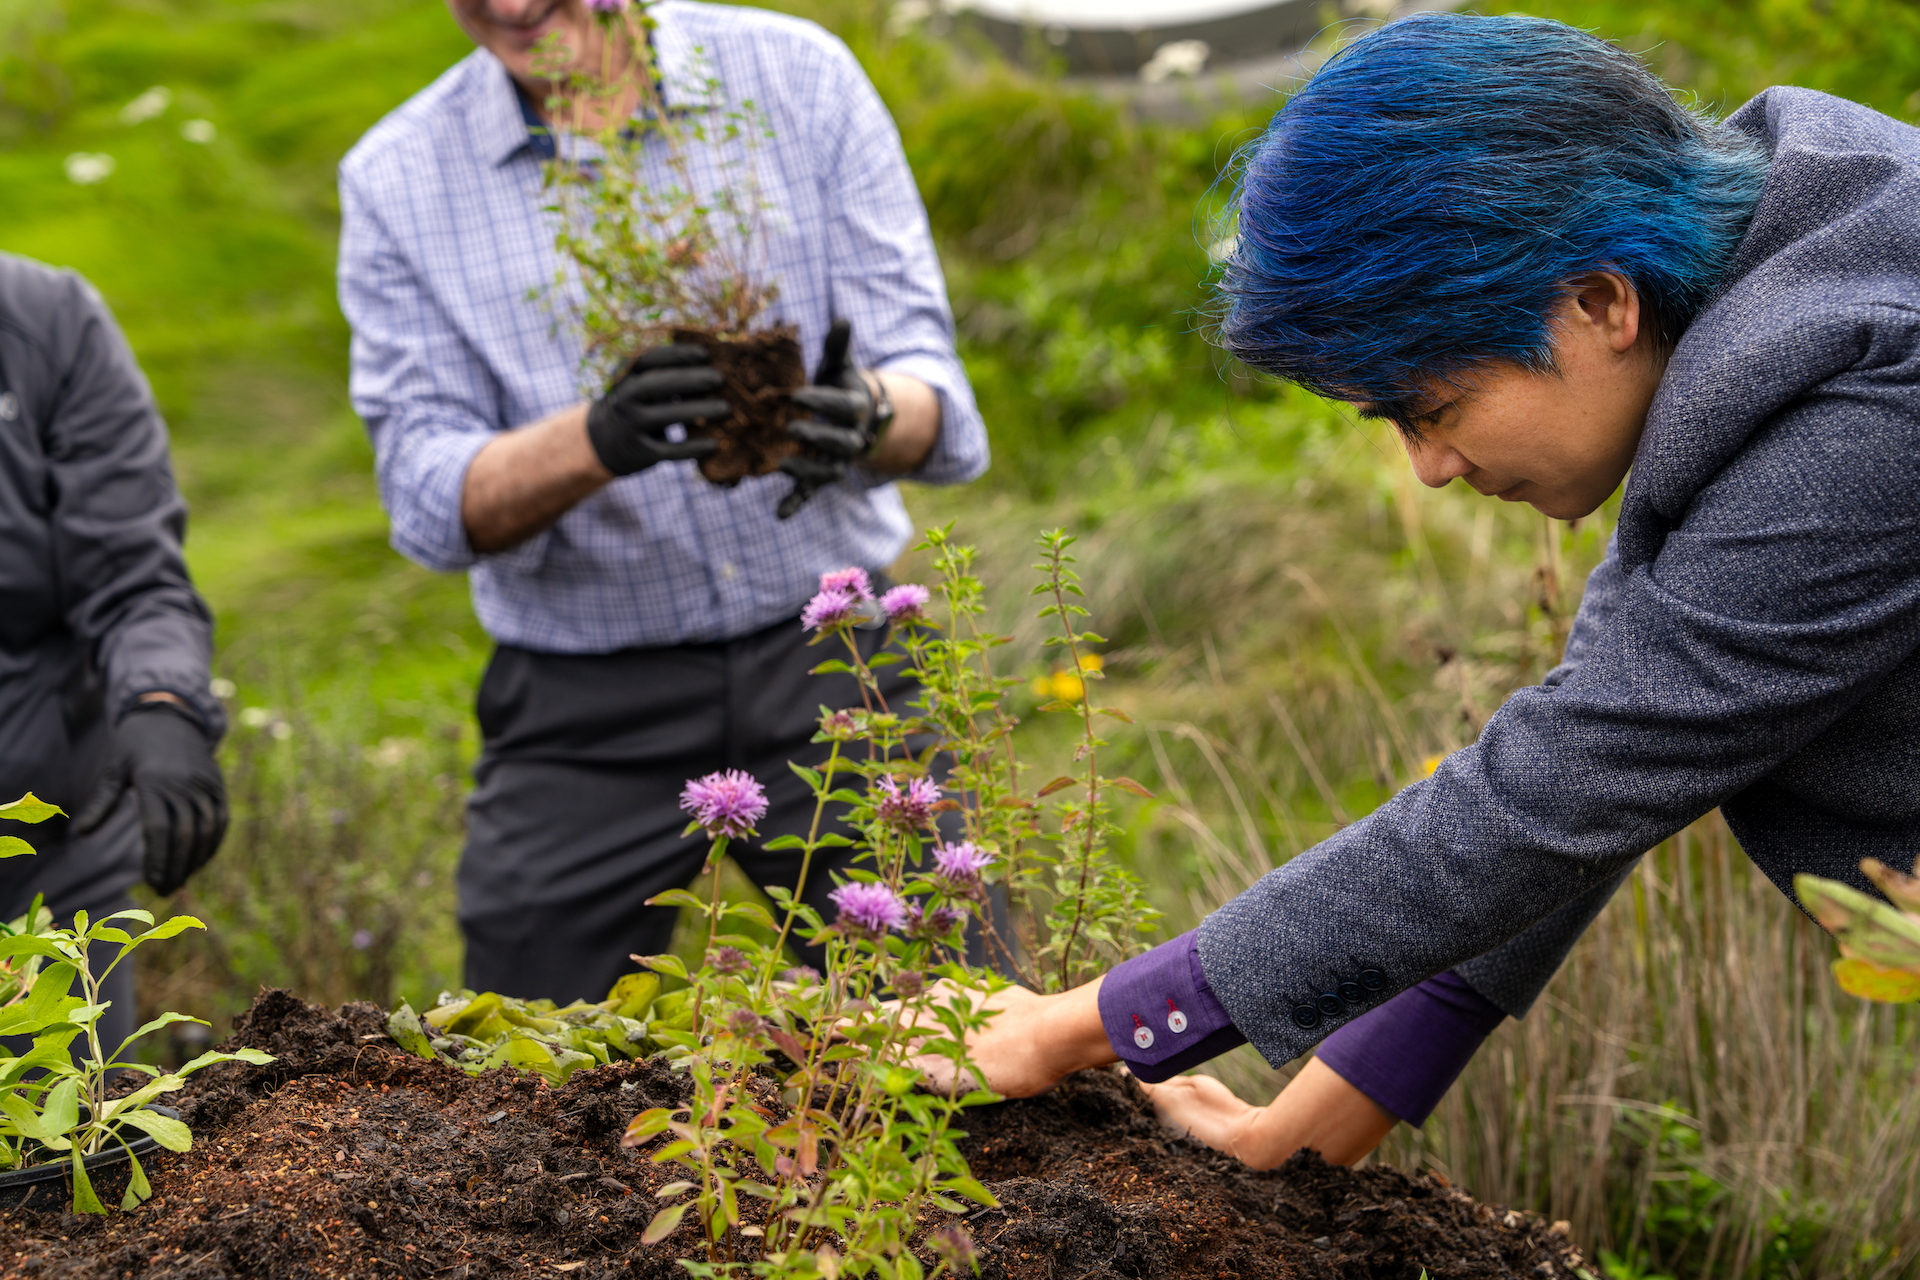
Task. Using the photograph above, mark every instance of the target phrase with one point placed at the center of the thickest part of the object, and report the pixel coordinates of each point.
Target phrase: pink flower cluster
(957, 867)
(910, 808)
(846, 594)
(607, 6)
(935, 924)
(728, 803)
(868, 910)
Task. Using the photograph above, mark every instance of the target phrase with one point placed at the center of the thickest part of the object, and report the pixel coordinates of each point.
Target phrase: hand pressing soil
(347, 1158)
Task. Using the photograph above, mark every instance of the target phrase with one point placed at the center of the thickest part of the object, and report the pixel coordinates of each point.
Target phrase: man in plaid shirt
(645, 620)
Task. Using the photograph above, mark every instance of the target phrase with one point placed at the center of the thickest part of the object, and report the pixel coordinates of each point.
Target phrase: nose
(1437, 465)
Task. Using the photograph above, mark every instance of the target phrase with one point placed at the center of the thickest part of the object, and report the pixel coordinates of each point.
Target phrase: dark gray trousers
(575, 820)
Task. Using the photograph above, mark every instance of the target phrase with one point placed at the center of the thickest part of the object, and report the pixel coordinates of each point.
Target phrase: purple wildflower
(830, 610)
(910, 984)
(745, 1023)
(801, 975)
(726, 804)
(935, 924)
(906, 603)
(954, 1246)
(908, 809)
(838, 726)
(852, 581)
(725, 960)
(957, 867)
(607, 6)
(868, 910)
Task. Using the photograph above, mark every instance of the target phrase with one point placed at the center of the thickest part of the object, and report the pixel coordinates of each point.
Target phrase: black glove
(846, 422)
(161, 752)
(627, 426)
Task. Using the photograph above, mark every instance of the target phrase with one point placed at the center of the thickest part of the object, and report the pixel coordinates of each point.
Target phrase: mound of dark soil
(347, 1158)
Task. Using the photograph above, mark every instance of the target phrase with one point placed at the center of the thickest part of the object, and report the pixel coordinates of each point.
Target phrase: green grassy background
(1296, 625)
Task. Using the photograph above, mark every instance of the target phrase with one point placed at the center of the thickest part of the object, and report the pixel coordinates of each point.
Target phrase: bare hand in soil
(672, 384)
(1318, 1111)
(1031, 1042)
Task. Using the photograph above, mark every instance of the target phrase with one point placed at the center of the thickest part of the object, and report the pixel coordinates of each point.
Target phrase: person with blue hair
(1510, 240)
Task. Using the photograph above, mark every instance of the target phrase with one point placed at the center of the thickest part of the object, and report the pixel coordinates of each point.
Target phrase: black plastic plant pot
(50, 1185)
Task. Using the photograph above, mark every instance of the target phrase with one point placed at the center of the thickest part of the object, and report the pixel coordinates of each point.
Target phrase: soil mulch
(348, 1158)
(759, 371)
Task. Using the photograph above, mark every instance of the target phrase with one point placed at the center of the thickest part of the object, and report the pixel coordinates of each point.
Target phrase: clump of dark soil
(348, 1158)
(759, 371)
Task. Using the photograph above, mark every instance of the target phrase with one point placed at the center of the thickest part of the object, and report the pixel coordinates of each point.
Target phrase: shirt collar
(505, 121)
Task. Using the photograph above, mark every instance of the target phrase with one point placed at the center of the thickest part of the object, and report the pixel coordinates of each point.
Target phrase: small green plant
(1879, 943)
(658, 210)
(53, 1097)
(477, 1032)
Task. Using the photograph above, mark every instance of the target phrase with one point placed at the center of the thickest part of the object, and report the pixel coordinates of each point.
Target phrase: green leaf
(663, 1224)
(60, 1112)
(164, 1020)
(26, 944)
(143, 1095)
(138, 1188)
(1869, 981)
(886, 659)
(15, 847)
(404, 1025)
(30, 808)
(784, 842)
(972, 1190)
(676, 898)
(1117, 714)
(168, 1132)
(84, 1200)
(1128, 784)
(1056, 785)
(107, 933)
(207, 1059)
(171, 927)
(832, 666)
(809, 776)
(86, 1013)
(1869, 928)
(752, 911)
(633, 994)
(667, 964)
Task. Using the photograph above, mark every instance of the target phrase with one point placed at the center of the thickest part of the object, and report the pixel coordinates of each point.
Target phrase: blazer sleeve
(118, 519)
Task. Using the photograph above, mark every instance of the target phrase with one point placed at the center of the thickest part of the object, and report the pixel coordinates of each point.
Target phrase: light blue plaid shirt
(443, 239)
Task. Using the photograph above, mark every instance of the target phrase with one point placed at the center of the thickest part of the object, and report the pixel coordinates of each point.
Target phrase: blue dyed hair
(1418, 208)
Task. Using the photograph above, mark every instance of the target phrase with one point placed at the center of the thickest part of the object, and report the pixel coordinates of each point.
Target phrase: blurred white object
(906, 13)
(1176, 58)
(147, 105)
(1122, 14)
(200, 131)
(89, 167)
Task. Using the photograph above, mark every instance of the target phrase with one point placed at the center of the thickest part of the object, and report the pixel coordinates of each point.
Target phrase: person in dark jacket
(1506, 237)
(106, 707)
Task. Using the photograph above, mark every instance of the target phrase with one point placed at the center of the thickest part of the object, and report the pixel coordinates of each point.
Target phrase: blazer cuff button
(1372, 979)
(1331, 1005)
(1306, 1017)
(1352, 992)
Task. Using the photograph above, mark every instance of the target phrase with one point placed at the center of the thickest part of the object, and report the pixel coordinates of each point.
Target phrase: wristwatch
(882, 412)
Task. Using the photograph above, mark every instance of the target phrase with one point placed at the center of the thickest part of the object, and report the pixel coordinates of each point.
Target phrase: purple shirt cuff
(1406, 1054)
(1161, 1016)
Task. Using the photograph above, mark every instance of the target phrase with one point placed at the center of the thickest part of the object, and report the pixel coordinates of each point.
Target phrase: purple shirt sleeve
(1406, 1054)
(1161, 1016)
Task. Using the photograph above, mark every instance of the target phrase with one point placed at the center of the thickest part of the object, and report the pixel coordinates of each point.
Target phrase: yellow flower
(1431, 764)
(1068, 687)
(1092, 662)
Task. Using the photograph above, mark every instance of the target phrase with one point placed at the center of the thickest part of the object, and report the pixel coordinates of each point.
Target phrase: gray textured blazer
(1751, 642)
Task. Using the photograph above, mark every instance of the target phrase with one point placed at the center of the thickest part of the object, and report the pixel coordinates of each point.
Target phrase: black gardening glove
(846, 422)
(161, 751)
(628, 426)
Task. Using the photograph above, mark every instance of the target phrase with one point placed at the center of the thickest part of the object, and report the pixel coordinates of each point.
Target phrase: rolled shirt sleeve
(421, 389)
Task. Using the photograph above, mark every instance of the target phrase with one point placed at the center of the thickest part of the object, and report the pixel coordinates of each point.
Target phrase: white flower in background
(147, 105)
(281, 730)
(89, 167)
(1176, 58)
(200, 131)
(906, 13)
(223, 688)
(257, 717)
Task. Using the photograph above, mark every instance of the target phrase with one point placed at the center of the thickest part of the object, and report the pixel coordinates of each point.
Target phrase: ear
(1611, 304)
